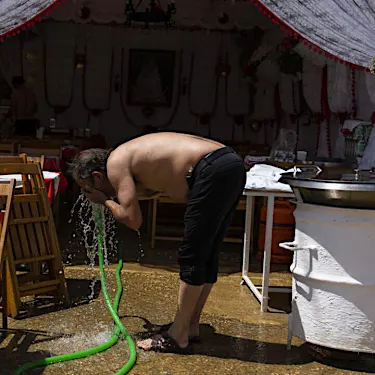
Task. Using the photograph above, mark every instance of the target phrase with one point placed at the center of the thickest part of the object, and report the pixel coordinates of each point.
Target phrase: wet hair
(89, 161)
(18, 80)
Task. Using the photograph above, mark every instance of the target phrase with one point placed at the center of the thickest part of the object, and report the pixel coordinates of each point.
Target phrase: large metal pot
(332, 163)
(331, 190)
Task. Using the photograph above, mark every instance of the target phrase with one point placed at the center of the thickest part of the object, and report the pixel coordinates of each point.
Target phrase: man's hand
(96, 196)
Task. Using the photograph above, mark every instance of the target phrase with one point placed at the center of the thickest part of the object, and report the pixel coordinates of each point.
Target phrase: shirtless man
(206, 175)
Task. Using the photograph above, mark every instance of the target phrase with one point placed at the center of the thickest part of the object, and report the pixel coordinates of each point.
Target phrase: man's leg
(188, 298)
(211, 272)
(195, 318)
(179, 331)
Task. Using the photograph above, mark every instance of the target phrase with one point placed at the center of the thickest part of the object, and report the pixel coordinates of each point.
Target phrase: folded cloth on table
(266, 177)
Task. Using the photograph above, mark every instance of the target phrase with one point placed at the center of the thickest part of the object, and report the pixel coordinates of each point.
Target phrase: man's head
(89, 170)
(18, 82)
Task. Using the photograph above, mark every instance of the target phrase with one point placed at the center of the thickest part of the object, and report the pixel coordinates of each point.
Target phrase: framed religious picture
(151, 77)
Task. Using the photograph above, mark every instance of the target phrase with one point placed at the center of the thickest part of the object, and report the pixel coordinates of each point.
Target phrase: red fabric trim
(63, 185)
(31, 22)
(296, 35)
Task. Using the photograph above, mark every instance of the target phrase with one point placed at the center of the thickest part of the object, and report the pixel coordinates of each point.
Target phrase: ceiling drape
(344, 28)
(16, 13)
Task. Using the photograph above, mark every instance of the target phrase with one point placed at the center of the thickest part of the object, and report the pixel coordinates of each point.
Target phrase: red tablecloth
(51, 186)
(53, 163)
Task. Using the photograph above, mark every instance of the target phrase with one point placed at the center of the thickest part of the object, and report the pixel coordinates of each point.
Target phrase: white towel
(266, 177)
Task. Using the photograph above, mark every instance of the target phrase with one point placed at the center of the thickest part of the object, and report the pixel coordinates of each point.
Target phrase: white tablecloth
(46, 175)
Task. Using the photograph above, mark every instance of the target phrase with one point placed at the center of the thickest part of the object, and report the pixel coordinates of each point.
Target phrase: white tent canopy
(344, 28)
(14, 14)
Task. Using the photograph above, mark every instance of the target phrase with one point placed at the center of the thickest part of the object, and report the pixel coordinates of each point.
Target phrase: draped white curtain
(344, 28)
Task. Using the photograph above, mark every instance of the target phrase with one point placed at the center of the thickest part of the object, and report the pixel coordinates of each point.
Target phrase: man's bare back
(160, 162)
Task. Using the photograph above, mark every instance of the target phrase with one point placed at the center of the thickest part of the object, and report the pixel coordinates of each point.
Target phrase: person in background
(23, 108)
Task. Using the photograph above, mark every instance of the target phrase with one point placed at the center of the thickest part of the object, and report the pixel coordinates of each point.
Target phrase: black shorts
(215, 187)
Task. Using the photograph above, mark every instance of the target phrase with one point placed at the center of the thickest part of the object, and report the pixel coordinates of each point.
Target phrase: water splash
(141, 251)
(87, 227)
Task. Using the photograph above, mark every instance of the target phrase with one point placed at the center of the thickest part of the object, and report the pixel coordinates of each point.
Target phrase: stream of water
(86, 222)
(84, 210)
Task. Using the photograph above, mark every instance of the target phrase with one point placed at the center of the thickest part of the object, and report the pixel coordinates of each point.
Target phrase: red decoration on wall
(326, 111)
(373, 117)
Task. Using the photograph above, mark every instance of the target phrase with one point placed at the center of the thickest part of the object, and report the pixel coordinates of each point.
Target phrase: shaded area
(360, 362)
(81, 292)
(243, 349)
(14, 348)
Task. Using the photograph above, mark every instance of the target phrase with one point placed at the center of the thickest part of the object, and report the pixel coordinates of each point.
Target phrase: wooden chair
(5, 159)
(11, 159)
(33, 159)
(7, 192)
(23, 158)
(32, 240)
(6, 148)
(39, 154)
(40, 159)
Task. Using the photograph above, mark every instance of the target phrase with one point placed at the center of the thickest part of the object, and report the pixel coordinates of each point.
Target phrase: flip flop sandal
(166, 344)
(165, 327)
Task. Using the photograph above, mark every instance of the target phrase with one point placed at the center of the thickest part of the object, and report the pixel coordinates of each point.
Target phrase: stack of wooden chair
(28, 238)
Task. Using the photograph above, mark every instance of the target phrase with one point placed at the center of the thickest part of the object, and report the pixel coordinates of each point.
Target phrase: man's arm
(128, 211)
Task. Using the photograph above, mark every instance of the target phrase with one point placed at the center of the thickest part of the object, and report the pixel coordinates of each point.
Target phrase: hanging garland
(95, 111)
(174, 111)
(354, 101)
(58, 109)
(325, 114)
(206, 117)
(295, 117)
(238, 119)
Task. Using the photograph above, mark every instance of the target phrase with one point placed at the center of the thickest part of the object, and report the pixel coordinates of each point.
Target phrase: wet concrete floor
(236, 338)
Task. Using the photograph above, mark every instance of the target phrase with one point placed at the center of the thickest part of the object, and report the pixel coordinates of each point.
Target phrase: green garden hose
(120, 329)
